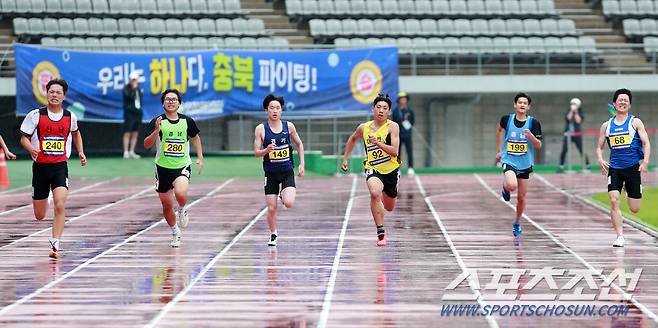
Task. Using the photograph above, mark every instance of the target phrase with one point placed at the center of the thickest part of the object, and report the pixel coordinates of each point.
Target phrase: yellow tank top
(376, 158)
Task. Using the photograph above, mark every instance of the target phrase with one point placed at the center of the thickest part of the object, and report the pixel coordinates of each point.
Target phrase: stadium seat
(373, 7)
(173, 26)
(463, 26)
(36, 26)
(445, 26)
(476, 7)
(81, 6)
(341, 7)
(21, 26)
(191, 26)
(532, 27)
(207, 26)
(566, 26)
(37, 6)
(325, 8)
(364, 27)
(412, 27)
(334, 27)
(357, 7)
(48, 42)
(100, 6)
(215, 7)
(423, 7)
(349, 27)
(293, 7)
(497, 27)
(480, 27)
(53, 6)
(231, 7)
(148, 7)
(309, 7)
(110, 26)
(440, 7)
(632, 27)
(142, 26)
(198, 6)
(126, 26)
(549, 27)
(546, 7)
(428, 27)
(265, 43)
(458, 8)
(380, 26)
(8, 6)
(511, 7)
(224, 26)
(514, 27)
(493, 7)
(165, 7)
(396, 26)
(182, 7)
(216, 42)
(405, 7)
(648, 26)
(528, 8)
(240, 26)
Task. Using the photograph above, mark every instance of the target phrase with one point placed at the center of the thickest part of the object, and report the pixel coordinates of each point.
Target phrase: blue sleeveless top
(280, 159)
(517, 151)
(624, 143)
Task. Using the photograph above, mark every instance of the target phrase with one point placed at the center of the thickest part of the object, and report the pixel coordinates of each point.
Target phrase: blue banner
(214, 83)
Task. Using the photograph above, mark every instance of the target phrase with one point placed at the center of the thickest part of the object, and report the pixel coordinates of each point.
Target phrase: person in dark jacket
(404, 117)
(132, 115)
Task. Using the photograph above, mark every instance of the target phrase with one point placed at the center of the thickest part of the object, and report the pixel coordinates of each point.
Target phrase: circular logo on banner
(365, 81)
(41, 75)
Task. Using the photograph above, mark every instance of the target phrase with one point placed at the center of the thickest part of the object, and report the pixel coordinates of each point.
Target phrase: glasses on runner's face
(171, 100)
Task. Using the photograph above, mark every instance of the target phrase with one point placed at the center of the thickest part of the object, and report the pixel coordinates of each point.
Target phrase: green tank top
(174, 151)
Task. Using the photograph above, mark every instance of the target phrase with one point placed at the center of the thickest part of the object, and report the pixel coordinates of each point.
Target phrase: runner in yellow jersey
(381, 138)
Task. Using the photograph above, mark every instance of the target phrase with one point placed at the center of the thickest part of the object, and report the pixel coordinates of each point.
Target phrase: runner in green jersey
(172, 132)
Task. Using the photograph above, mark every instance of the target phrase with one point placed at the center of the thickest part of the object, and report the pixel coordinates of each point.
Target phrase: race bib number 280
(174, 148)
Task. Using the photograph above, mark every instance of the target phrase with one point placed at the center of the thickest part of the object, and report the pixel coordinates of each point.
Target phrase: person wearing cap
(132, 115)
(573, 119)
(404, 117)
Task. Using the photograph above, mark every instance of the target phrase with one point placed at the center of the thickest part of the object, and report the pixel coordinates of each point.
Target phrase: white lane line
(77, 191)
(328, 295)
(11, 191)
(208, 266)
(636, 224)
(471, 281)
(93, 259)
(133, 196)
(625, 296)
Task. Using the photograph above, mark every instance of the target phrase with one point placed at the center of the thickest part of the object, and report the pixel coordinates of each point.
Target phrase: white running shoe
(411, 172)
(183, 218)
(126, 155)
(175, 241)
(619, 242)
(272, 241)
(134, 155)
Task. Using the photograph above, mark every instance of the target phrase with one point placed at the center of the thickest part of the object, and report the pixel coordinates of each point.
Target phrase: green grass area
(20, 171)
(648, 214)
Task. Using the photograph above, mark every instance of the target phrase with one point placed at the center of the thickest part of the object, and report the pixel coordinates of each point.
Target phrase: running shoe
(53, 250)
(183, 218)
(381, 239)
(175, 241)
(619, 242)
(516, 230)
(506, 195)
(272, 241)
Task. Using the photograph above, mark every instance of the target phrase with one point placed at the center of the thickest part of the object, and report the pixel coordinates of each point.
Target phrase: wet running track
(117, 269)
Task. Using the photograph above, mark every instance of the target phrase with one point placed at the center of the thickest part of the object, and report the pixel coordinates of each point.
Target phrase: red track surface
(117, 269)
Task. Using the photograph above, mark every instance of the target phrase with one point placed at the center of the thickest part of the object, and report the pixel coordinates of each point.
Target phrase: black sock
(380, 229)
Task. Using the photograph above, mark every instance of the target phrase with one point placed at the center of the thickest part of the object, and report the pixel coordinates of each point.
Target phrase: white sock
(54, 242)
(175, 229)
(274, 232)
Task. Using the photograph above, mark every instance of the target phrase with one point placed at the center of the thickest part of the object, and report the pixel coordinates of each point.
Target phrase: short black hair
(522, 95)
(623, 91)
(269, 98)
(180, 99)
(62, 82)
(382, 97)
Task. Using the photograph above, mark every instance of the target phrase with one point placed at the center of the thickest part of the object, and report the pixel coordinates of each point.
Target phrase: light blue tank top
(517, 151)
